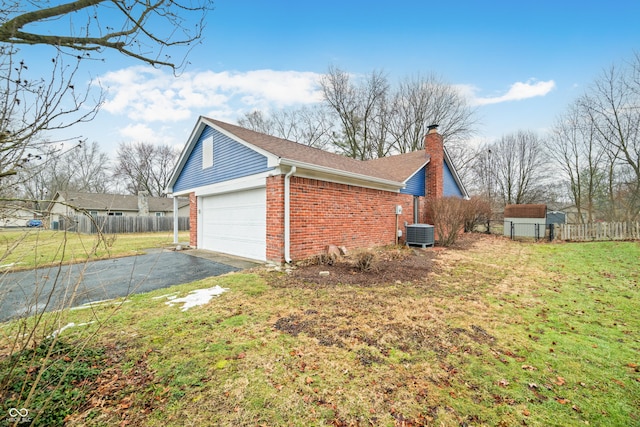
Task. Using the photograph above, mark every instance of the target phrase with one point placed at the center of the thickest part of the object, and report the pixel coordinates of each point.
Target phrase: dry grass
(490, 333)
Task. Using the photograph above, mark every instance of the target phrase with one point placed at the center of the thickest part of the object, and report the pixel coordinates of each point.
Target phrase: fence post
(551, 232)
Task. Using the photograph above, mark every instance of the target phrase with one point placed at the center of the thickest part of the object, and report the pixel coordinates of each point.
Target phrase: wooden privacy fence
(121, 224)
(598, 231)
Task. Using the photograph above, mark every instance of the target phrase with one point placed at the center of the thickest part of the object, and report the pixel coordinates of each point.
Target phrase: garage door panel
(235, 223)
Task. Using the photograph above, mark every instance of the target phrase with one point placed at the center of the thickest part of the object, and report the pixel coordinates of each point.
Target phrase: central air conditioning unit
(420, 234)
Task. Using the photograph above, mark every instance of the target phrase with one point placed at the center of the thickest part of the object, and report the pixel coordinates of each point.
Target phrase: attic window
(207, 152)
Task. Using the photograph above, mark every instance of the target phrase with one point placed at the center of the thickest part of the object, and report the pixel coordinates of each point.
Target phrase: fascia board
(186, 152)
(243, 183)
(416, 171)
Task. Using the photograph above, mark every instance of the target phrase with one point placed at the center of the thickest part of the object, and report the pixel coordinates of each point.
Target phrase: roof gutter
(287, 214)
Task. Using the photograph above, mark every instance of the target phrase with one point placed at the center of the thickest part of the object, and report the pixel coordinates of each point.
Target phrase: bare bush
(365, 261)
(477, 211)
(448, 215)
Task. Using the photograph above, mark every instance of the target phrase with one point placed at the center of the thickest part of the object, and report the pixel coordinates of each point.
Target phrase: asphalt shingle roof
(116, 202)
(525, 211)
(396, 168)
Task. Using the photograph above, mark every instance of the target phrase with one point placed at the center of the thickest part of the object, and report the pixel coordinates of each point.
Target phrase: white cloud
(139, 132)
(148, 95)
(518, 91)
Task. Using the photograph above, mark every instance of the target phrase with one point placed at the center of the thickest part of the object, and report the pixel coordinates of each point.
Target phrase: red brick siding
(275, 218)
(193, 220)
(324, 213)
(433, 145)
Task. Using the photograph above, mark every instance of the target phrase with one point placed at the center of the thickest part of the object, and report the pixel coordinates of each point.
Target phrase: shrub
(477, 211)
(365, 260)
(453, 215)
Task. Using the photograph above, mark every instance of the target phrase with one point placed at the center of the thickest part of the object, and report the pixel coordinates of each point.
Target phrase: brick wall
(434, 185)
(275, 218)
(324, 213)
(193, 220)
(434, 147)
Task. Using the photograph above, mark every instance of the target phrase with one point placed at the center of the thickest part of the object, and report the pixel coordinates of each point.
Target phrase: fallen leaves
(620, 383)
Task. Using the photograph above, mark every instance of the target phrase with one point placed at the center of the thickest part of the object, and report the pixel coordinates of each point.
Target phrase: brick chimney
(434, 147)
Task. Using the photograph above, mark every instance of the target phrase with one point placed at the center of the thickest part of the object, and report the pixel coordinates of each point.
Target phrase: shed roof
(525, 211)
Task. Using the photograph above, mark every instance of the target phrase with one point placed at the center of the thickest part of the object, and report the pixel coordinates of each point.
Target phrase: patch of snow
(94, 304)
(67, 326)
(197, 297)
(168, 296)
(13, 264)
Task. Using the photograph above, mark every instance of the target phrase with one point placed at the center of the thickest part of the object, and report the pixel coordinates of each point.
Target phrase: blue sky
(520, 62)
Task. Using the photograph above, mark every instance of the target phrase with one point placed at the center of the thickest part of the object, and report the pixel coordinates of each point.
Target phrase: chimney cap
(432, 128)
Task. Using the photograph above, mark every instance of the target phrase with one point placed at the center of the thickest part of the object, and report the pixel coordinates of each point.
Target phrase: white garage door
(235, 223)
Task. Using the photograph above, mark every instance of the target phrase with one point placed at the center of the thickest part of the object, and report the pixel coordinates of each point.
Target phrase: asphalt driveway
(22, 292)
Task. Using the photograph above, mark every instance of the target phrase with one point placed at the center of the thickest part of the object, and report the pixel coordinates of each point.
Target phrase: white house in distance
(65, 204)
(16, 214)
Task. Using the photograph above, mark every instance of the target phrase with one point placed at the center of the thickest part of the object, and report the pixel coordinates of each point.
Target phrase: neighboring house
(65, 204)
(267, 198)
(16, 214)
(525, 220)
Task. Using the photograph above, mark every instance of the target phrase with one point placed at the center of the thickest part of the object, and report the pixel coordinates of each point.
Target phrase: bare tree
(145, 167)
(574, 146)
(145, 30)
(423, 101)
(31, 105)
(518, 172)
(361, 109)
(82, 168)
(90, 168)
(612, 106)
(306, 125)
(259, 121)
(482, 177)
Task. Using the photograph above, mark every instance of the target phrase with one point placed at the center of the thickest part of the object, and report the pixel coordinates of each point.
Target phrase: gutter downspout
(287, 215)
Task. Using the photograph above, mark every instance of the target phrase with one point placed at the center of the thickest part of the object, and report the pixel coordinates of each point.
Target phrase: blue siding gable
(230, 160)
(450, 186)
(416, 184)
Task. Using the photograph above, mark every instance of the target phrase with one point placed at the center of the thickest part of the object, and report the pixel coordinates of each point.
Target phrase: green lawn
(500, 333)
(25, 249)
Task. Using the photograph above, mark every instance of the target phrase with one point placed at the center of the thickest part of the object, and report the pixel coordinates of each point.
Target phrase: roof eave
(381, 182)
